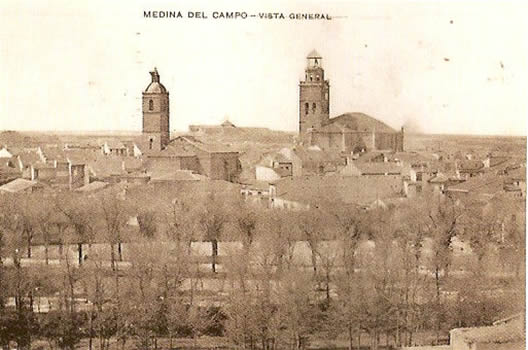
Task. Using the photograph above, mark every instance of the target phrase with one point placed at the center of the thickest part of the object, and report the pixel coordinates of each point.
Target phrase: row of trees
(388, 278)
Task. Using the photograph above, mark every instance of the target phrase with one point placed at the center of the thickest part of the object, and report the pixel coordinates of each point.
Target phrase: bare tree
(212, 218)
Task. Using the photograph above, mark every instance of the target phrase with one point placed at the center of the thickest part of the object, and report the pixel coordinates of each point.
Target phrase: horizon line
(134, 132)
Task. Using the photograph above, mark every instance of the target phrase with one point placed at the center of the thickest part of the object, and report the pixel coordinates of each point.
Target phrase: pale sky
(444, 66)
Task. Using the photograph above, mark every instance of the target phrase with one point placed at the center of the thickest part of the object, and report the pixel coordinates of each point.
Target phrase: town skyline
(437, 81)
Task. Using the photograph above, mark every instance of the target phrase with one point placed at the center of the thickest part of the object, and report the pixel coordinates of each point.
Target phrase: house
(487, 185)
(20, 186)
(25, 160)
(73, 176)
(115, 148)
(5, 153)
(439, 183)
(83, 146)
(114, 169)
(379, 169)
(470, 168)
(8, 171)
(515, 182)
(217, 162)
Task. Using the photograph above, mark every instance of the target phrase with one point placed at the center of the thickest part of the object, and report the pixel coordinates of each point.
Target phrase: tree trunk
(437, 283)
(119, 251)
(350, 338)
(80, 256)
(112, 257)
(29, 247)
(46, 253)
(214, 244)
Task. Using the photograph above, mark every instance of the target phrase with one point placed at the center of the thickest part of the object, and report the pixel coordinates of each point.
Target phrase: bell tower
(156, 129)
(314, 95)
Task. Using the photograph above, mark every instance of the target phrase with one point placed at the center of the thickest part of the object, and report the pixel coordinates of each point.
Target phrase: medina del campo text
(235, 15)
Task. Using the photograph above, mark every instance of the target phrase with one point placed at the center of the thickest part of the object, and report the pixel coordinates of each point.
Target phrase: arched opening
(306, 108)
(313, 107)
(151, 105)
(151, 142)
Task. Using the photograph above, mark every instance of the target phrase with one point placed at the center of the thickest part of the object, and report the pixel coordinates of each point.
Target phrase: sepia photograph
(263, 175)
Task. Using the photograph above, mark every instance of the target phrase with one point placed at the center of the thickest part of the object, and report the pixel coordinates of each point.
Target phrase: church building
(349, 132)
(165, 157)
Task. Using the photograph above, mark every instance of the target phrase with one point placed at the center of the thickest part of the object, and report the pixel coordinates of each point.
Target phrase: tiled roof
(439, 178)
(176, 175)
(318, 156)
(28, 158)
(107, 166)
(41, 165)
(54, 153)
(485, 184)
(92, 186)
(470, 165)
(214, 147)
(81, 156)
(115, 144)
(378, 168)
(133, 164)
(361, 122)
(18, 185)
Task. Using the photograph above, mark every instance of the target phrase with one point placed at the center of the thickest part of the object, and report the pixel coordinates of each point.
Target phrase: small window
(306, 108)
(317, 77)
(151, 141)
(313, 107)
(316, 62)
(151, 105)
(311, 77)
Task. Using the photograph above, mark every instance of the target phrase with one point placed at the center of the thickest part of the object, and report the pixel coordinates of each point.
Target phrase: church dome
(361, 122)
(155, 88)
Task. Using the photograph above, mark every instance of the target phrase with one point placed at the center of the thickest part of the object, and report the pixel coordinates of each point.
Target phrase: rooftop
(18, 185)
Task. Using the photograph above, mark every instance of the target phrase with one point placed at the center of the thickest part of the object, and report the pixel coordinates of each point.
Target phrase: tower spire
(155, 75)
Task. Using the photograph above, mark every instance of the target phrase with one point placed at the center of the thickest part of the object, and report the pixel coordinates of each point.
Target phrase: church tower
(314, 96)
(156, 114)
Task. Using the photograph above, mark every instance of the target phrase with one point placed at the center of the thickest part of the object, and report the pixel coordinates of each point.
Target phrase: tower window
(313, 107)
(317, 77)
(316, 62)
(151, 141)
(151, 105)
(306, 108)
(311, 77)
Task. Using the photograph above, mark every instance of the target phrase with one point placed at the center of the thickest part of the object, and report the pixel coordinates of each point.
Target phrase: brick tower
(314, 96)
(156, 114)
